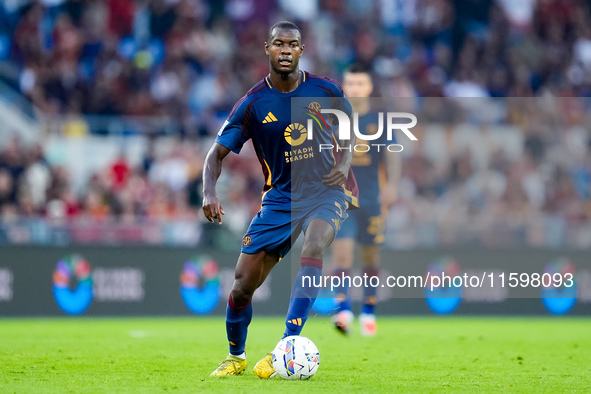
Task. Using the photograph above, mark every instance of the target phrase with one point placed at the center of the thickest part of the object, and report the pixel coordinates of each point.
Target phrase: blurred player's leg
(342, 254)
(370, 256)
(251, 272)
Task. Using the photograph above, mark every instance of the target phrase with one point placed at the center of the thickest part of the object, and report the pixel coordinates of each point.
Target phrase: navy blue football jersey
(366, 165)
(292, 164)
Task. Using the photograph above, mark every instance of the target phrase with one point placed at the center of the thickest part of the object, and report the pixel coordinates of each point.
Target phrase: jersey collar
(289, 94)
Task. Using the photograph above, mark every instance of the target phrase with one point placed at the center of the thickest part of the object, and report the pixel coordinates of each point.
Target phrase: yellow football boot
(232, 365)
(264, 368)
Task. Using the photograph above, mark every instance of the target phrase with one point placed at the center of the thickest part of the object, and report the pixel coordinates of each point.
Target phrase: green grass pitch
(408, 355)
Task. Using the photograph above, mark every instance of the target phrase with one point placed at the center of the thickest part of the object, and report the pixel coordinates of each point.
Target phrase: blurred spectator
(119, 173)
(37, 177)
(188, 60)
(7, 195)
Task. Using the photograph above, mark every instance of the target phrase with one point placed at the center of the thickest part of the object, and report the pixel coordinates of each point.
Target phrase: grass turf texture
(409, 354)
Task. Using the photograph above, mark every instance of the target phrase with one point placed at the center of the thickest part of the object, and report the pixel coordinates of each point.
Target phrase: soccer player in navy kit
(365, 225)
(313, 199)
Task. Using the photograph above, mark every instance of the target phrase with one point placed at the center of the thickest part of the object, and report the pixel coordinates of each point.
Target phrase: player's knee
(314, 248)
(242, 293)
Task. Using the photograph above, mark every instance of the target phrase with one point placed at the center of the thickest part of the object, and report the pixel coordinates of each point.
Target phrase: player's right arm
(212, 207)
(233, 134)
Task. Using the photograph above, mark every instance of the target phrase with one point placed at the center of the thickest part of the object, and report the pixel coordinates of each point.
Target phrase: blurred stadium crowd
(191, 60)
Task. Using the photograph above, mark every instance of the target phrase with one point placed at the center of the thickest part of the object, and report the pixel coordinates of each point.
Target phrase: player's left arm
(389, 192)
(340, 172)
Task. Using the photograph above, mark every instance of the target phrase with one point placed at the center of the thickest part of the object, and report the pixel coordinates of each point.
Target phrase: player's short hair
(357, 68)
(283, 25)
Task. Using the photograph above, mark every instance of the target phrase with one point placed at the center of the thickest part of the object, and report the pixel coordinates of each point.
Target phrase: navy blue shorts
(365, 225)
(279, 222)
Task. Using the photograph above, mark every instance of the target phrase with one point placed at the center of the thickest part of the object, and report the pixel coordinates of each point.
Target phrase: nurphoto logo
(392, 123)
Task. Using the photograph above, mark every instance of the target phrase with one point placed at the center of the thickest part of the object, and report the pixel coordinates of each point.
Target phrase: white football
(296, 357)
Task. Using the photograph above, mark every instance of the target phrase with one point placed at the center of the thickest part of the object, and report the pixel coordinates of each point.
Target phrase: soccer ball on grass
(296, 357)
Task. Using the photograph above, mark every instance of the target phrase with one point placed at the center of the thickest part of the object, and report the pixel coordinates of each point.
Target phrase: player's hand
(388, 195)
(336, 177)
(212, 208)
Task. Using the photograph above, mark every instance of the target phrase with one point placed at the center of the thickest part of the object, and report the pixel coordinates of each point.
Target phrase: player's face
(357, 85)
(284, 50)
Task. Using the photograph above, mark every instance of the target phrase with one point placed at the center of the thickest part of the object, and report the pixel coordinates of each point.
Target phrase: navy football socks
(237, 321)
(342, 291)
(370, 292)
(303, 295)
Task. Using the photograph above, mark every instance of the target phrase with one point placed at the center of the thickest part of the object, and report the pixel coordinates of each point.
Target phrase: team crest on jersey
(315, 105)
(247, 240)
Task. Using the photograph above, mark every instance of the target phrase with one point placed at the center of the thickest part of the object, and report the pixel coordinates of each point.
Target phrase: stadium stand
(128, 94)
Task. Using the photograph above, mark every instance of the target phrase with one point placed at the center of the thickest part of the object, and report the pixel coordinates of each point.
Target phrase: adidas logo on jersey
(270, 118)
